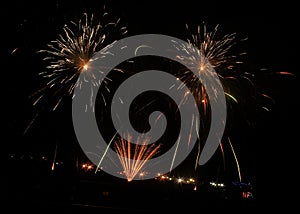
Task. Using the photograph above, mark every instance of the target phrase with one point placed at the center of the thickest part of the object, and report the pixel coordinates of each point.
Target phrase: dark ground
(31, 185)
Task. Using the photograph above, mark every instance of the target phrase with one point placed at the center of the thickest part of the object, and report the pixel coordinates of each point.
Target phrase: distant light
(87, 166)
(213, 183)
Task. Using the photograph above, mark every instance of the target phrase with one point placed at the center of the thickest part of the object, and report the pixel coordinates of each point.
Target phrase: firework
(134, 155)
(69, 55)
(209, 51)
(236, 160)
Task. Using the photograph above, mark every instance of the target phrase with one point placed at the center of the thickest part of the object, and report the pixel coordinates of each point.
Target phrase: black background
(272, 44)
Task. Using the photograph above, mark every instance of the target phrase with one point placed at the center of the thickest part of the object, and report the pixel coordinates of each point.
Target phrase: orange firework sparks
(68, 56)
(133, 156)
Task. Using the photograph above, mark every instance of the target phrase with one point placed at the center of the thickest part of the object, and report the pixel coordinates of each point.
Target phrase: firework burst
(134, 155)
(207, 51)
(210, 50)
(69, 55)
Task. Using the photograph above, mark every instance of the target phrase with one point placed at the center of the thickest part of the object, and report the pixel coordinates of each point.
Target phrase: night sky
(27, 26)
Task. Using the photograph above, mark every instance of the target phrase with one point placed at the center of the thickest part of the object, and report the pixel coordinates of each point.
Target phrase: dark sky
(26, 26)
